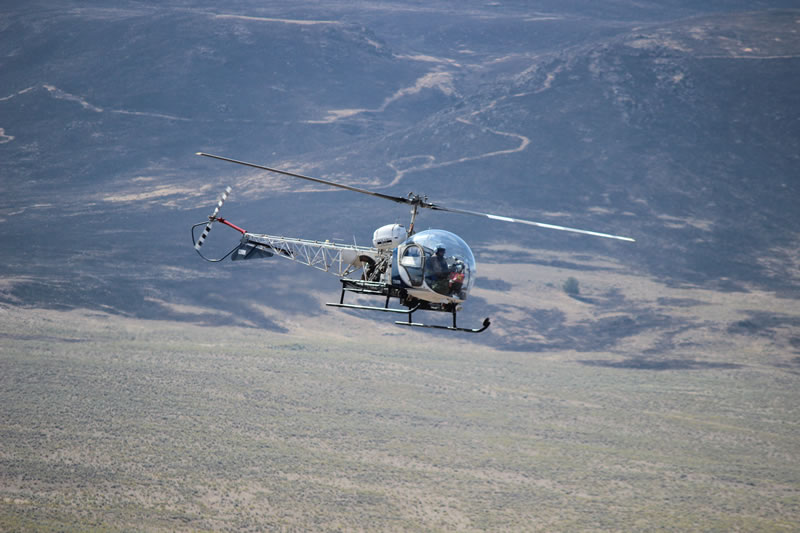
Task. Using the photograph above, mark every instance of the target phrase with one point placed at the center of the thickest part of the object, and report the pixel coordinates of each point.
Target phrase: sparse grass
(109, 423)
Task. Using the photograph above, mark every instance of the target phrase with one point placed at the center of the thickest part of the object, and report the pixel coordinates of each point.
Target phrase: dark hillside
(685, 135)
(680, 130)
(168, 82)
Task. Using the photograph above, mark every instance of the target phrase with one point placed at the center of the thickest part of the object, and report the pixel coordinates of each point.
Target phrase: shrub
(571, 286)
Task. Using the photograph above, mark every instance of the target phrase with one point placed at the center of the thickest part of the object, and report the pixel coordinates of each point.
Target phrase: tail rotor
(198, 245)
(212, 219)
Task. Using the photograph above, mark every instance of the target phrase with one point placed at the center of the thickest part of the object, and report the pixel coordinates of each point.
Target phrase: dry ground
(688, 424)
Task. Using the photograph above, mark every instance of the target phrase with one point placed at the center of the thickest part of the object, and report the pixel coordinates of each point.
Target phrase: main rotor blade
(529, 222)
(398, 199)
(417, 200)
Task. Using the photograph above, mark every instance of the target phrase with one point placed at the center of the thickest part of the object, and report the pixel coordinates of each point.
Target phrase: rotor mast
(416, 201)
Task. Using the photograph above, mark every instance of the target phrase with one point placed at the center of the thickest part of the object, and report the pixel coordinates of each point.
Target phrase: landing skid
(486, 324)
(375, 288)
(372, 308)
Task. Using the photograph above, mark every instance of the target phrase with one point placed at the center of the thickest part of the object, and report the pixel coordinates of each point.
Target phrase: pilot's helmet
(440, 248)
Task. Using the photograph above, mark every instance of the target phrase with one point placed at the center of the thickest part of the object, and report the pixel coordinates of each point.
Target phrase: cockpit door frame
(403, 266)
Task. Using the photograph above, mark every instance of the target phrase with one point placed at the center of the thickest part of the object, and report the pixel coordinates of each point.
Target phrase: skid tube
(377, 288)
(454, 327)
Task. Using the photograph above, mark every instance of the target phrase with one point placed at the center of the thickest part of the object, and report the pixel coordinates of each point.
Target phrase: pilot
(438, 270)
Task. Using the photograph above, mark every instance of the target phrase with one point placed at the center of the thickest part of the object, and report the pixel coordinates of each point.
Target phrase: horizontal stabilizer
(249, 250)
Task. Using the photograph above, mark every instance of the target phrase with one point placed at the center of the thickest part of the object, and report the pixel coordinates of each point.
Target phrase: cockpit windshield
(439, 259)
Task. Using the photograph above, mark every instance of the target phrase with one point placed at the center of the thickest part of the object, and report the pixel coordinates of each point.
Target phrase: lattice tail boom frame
(338, 259)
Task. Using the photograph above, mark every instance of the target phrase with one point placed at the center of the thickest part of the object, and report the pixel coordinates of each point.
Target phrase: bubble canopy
(439, 261)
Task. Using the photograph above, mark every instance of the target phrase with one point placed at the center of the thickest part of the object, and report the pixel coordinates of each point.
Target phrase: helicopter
(431, 270)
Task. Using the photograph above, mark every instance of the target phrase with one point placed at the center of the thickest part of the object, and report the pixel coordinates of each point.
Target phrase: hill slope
(681, 133)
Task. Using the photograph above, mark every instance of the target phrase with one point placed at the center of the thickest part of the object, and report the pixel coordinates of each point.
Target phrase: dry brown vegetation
(112, 423)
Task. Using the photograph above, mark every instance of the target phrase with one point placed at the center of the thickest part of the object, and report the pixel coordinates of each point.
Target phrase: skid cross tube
(413, 305)
(369, 287)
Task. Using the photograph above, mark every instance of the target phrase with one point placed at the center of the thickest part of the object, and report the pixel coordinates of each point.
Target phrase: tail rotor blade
(212, 219)
(222, 199)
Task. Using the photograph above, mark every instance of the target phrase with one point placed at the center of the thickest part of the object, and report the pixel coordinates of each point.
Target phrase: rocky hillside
(674, 124)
